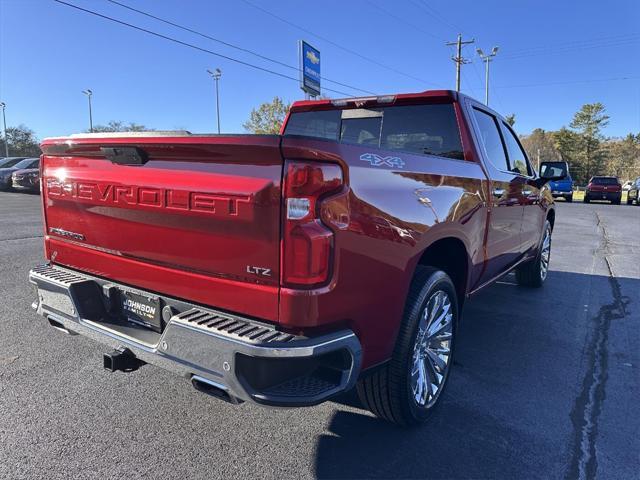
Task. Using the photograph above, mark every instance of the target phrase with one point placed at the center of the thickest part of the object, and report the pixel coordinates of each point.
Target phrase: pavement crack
(8, 360)
(588, 405)
(20, 238)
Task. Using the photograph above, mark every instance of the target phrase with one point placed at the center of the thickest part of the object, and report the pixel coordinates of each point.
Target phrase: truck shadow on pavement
(515, 406)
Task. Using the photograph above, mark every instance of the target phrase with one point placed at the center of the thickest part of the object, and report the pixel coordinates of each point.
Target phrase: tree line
(23, 142)
(584, 147)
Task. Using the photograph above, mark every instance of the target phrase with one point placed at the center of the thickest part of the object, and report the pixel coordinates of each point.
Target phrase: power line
(402, 20)
(435, 14)
(465, 81)
(578, 43)
(190, 45)
(593, 80)
(553, 50)
(231, 45)
(337, 45)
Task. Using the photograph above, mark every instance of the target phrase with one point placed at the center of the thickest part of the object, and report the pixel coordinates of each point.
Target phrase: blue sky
(554, 56)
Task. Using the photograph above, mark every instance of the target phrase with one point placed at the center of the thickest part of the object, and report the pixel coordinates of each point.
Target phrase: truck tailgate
(196, 216)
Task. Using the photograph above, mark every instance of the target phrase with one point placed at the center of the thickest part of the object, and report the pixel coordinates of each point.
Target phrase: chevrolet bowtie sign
(309, 68)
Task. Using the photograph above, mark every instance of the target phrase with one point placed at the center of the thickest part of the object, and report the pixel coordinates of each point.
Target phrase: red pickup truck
(285, 269)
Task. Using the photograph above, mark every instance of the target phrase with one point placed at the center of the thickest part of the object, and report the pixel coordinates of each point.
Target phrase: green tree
(540, 143)
(268, 117)
(119, 126)
(567, 144)
(511, 119)
(623, 157)
(22, 142)
(588, 123)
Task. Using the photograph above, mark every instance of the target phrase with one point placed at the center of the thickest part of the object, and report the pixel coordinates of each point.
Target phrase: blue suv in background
(562, 188)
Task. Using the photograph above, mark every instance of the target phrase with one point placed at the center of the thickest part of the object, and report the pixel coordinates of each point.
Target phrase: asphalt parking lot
(546, 384)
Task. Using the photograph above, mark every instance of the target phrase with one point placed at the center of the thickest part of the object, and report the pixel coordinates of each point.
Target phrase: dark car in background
(604, 188)
(634, 192)
(27, 180)
(562, 188)
(12, 164)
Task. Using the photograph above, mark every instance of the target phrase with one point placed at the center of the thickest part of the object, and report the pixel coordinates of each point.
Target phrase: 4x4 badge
(378, 160)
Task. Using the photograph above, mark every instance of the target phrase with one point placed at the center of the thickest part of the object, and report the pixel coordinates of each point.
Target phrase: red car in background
(604, 188)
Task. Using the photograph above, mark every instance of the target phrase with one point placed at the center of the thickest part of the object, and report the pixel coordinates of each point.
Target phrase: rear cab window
(428, 129)
(604, 180)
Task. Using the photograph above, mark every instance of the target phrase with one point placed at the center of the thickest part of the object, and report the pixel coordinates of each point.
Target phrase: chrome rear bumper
(238, 358)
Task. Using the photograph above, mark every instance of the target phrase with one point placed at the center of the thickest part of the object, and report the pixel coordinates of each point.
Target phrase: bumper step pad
(234, 327)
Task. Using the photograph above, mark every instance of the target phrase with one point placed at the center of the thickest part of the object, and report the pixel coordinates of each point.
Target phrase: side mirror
(551, 172)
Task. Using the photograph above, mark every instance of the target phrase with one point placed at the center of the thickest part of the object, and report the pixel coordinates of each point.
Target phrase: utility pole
(486, 59)
(216, 76)
(88, 93)
(4, 131)
(458, 59)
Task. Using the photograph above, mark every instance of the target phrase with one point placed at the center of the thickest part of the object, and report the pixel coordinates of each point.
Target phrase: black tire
(616, 202)
(531, 274)
(569, 198)
(586, 199)
(629, 200)
(388, 391)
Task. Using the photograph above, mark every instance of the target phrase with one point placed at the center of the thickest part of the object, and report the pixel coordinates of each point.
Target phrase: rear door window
(517, 158)
(491, 139)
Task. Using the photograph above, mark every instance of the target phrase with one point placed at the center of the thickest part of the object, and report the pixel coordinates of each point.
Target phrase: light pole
(486, 59)
(216, 76)
(4, 131)
(88, 93)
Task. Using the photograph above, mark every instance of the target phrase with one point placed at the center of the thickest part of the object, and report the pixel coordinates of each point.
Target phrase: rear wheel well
(450, 256)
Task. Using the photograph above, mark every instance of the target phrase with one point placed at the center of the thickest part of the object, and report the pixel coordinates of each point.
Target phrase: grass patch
(578, 196)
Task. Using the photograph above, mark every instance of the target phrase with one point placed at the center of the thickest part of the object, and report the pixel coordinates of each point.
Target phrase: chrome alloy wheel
(545, 254)
(432, 350)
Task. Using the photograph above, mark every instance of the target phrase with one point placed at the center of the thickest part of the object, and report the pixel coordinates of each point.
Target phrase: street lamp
(216, 76)
(486, 59)
(4, 131)
(88, 93)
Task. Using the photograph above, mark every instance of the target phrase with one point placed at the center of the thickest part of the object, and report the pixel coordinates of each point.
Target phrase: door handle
(498, 192)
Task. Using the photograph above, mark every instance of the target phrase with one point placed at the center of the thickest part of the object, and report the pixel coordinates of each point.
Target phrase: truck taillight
(307, 243)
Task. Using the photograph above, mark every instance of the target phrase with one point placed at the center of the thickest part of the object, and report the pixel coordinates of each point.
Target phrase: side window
(517, 157)
(488, 130)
